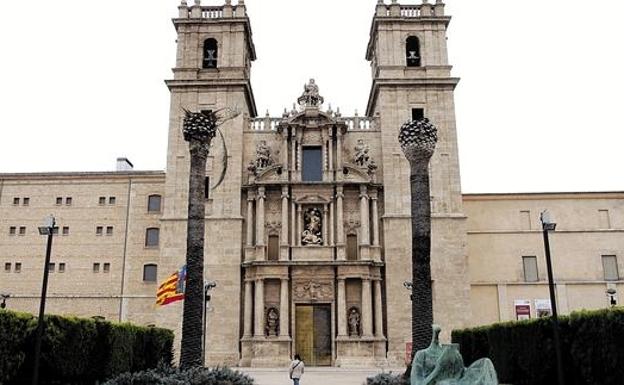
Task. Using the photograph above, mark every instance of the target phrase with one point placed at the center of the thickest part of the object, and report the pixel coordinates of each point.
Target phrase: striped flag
(172, 289)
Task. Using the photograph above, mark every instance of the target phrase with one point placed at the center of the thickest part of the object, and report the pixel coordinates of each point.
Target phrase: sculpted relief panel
(314, 290)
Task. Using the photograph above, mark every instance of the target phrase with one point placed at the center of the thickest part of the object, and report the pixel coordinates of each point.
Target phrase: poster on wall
(543, 308)
(523, 309)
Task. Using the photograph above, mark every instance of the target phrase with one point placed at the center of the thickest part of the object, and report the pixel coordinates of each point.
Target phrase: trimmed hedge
(524, 354)
(164, 375)
(78, 351)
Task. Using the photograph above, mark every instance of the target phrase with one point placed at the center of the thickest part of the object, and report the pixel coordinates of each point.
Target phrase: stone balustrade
(198, 11)
(394, 9)
(353, 123)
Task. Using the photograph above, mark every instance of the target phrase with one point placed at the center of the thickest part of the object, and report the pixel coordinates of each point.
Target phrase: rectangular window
(530, 269)
(107, 267)
(61, 267)
(312, 164)
(12, 230)
(18, 267)
(99, 230)
(605, 221)
(207, 187)
(96, 267)
(16, 201)
(418, 113)
(274, 248)
(22, 230)
(152, 237)
(59, 200)
(352, 247)
(153, 203)
(102, 201)
(150, 273)
(51, 267)
(109, 230)
(68, 201)
(610, 268)
(7, 267)
(65, 230)
(112, 200)
(26, 201)
(525, 220)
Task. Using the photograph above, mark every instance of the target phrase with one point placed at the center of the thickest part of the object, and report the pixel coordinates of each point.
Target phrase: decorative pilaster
(364, 220)
(341, 308)
(259, 310)
(284, 237)
(260, 216)
(284, 312)
(250, 229)
(325, 226)
(331, 224)
(367, 309)
(293, 224)
(299, 224)
(339, 150)
(378, 310)
(375, 219)
(248, 309)
(340, 223)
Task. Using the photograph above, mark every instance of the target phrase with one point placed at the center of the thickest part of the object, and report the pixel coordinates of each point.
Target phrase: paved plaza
(315, 376)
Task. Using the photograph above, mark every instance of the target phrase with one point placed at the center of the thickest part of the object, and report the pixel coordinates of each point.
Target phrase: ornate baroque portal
(312, 183)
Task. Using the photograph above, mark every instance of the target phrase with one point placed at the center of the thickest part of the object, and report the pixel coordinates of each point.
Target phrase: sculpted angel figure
(361, 153)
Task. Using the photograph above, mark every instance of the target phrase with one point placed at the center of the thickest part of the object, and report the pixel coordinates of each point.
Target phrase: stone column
(293, 224)
(260, 217)
(250, 229)
(330, 225)
(259, 310)
(300, 224)
(284, 237)
(331, 157)
(378, 310)
(339, 220)
(285, 150)
(341, 308)
(375, 218)
(248, 309)
(339, 150)
(284, 318)
(325, 226)
(364, 233)
(293, 152)
(367, 308)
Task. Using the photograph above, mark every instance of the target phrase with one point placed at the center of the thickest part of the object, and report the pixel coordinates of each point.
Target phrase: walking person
(296, 369)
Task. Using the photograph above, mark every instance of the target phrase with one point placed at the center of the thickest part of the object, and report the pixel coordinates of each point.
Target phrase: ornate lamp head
(418, 139)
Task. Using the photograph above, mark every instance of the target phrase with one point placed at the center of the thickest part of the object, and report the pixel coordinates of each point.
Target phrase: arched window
(150, 272)
(211, 53)
(152, 237)
(153, 203)
(412, 54)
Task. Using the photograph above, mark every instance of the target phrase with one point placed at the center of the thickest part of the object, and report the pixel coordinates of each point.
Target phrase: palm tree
(418, 140)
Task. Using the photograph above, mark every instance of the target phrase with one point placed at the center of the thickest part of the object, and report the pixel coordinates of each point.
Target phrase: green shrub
(387, 379)
(78, 351)
(169, 376)
(524, 353)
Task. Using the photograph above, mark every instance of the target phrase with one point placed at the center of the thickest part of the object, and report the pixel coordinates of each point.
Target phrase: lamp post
(548, 224)
(207, 287)
(47, 229)
(4, 298)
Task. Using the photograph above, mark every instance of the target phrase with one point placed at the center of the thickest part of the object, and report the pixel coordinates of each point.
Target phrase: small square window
(22, 230)
(153, 203)
(99, 230)
(112, 200)
(68, 201)
(102, 201)
(51, 267)
(7, 267)
(109, 230)
(16, 201)
(65, 230)
(418, 114)
(61, 268)
(59, 200)
(96, 267)
(152, 237)
(107, 267)
(18, 267)
(26, 201)
(12, 230)
(150, 272)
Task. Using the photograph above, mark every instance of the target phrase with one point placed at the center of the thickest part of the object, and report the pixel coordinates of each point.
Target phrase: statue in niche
(313, 225)
(361, 153)
(444, 365)
(252, 168)
(311, 96)
(354, 322)
(272, 322)
(263, 155)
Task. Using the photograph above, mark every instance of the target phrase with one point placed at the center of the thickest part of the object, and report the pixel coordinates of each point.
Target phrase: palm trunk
(422, 302)
(191, 351)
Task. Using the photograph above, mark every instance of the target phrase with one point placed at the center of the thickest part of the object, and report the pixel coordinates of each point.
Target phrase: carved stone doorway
(313, 334)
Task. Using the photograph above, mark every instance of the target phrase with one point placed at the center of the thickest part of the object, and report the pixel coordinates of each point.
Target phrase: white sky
(538, 107)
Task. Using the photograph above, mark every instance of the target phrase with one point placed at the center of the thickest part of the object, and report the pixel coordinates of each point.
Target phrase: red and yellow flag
(172, 289)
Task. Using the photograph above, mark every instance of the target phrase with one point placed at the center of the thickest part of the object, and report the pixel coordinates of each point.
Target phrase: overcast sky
(539, 106)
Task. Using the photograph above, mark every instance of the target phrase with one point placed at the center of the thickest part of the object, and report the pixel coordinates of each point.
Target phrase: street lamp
(611, 293)
(409, 286)
(548, 224)
(48, 228)
(207, 287)
(4, 298)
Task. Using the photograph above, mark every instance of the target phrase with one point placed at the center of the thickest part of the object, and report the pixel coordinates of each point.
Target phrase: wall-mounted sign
(543, 308)
(523, 309)
(408, 353)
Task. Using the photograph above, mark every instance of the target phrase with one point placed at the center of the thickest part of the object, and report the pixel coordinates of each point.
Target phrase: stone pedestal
(265, 352)
(356, 352)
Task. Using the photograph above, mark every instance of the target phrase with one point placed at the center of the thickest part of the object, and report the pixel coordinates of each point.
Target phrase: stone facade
(308, 238)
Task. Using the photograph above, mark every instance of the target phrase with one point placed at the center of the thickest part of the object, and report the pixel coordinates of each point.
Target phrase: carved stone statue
(313, 224)
(443, 365)
(354, 322)
(263, 155)
(272, 322)
(361, 153)
(311, 96)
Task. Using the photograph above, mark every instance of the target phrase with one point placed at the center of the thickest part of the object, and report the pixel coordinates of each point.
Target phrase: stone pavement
(315, 376)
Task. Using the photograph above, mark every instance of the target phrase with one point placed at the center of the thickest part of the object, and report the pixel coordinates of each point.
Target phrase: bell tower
(212, 72)
(412, 80)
